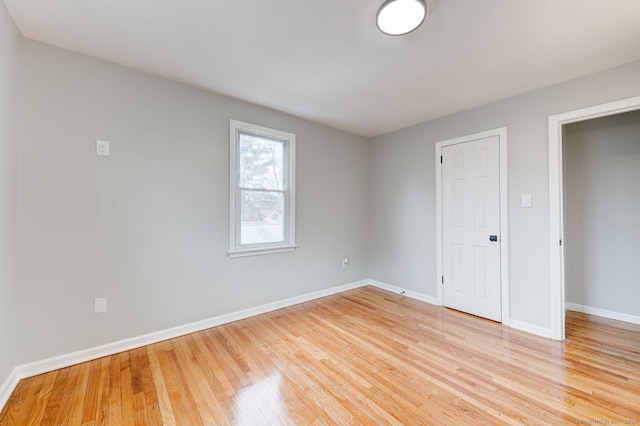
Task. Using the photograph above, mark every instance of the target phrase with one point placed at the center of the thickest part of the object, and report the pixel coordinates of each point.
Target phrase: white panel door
(471, 227)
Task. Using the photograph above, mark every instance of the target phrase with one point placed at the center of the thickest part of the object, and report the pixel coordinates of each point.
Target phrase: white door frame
(556, 207)
(504, 215)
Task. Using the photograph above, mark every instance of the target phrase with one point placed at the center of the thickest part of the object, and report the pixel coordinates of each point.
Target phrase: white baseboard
(404, 292)
(89, 354)
(6, 388)
(602, 313)
(518, 325)
(39, 367)
(530, 328)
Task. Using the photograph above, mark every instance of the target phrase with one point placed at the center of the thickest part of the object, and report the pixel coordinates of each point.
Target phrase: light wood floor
(361, 357)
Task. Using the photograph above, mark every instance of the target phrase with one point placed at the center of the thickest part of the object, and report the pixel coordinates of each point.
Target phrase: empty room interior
(292, 212)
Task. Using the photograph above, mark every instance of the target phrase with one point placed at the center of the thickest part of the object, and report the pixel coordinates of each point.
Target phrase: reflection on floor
(365, 356)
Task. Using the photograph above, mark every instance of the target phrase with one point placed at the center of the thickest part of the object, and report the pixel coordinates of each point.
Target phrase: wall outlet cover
(102, 148)
(100, 305)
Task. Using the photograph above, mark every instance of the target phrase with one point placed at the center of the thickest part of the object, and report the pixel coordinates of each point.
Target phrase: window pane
(261, 162)
(261, 217)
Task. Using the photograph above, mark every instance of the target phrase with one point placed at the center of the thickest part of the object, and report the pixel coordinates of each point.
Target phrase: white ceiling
(325, 61)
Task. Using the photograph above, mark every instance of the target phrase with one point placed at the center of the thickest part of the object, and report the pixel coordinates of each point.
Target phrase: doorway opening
(556, 200)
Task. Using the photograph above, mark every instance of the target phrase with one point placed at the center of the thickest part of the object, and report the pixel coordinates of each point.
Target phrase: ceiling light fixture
(399, 17)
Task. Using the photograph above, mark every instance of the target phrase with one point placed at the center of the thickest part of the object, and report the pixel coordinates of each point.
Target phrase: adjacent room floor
(365, 356)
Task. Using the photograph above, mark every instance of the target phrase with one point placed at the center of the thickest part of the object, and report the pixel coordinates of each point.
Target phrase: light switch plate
(525, 201)
(102, 148)
(100, 305)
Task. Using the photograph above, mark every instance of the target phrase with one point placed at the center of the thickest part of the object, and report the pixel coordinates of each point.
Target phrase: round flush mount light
(399, 17)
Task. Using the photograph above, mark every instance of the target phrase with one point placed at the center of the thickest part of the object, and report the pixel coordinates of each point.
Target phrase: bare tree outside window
(262, 189)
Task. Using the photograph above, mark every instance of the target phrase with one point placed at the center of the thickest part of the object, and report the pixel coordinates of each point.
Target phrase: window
(261, 195)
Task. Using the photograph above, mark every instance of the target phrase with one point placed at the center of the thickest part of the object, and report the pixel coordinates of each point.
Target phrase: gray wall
(147, 226)
(10, 49)
(602, 207)
(402, 227)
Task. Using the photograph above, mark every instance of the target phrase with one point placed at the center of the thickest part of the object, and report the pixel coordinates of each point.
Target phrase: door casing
(504, 215)
(556, 225)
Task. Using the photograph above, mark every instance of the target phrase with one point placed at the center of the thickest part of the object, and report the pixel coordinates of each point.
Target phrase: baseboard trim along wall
(73, 358)
(530, 328)
(518, 325)
(6, 388)
(404, 292)
(44, 366)
(602, 313)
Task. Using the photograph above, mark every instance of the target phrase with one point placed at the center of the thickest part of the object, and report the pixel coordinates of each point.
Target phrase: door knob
(493, 238)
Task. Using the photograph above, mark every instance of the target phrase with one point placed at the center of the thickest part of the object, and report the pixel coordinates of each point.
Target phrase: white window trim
(235, 250)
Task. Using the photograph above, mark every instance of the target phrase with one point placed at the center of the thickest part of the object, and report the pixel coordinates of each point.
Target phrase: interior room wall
(402, 224)
(10, 50)
(602, 206)
(147, 227)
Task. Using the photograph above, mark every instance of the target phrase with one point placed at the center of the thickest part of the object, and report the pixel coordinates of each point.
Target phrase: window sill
(261, 251)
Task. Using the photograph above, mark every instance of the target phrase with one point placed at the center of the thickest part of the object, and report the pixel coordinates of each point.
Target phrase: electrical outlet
(100, 305)
(102, 148)
(345, 262)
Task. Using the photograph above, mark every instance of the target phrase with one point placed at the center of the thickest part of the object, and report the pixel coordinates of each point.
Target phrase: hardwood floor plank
(182, 399)
(57, 398)
(127, 412)
(164, 400)
(103, 392)
(36, 416)
(79, 394)
(208, 407)
(92, 396)
(365, 357)
(114, 397)
(145, 389)
(139, 405)
(25, 401)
